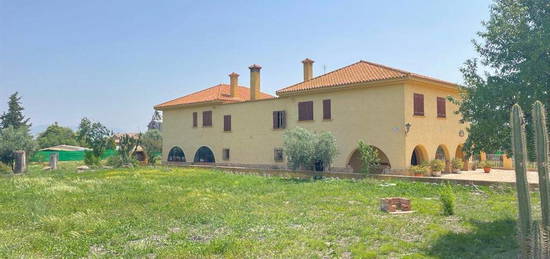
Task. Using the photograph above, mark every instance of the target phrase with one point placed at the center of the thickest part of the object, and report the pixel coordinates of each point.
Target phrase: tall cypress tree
(14, 117)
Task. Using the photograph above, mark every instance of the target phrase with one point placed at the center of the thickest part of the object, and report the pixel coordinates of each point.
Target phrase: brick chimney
(254, 81)
(234, 83)
(308, 69)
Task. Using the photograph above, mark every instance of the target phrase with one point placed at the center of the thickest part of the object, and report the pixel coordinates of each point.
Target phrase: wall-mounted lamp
(407, 128)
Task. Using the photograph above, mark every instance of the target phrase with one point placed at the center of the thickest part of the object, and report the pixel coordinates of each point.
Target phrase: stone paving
(496, 175)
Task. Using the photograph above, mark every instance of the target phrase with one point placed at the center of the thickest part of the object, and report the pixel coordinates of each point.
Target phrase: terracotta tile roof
(362, 71)
(219, 93)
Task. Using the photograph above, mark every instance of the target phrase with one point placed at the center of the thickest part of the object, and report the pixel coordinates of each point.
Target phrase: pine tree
(14, 117)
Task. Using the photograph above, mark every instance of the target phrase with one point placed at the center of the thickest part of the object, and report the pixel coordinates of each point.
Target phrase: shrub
(299, 147)
(447, 198)
(117, 161)
(485, 164)
(5, 169)
(305, 149)
(151, 142)
(369, 157)
(325, 149)
(425, 163)
(127, 146)
(457, 163)
(114, 161)
(153, 159)
(437, 165)
(90, 159)
(418, 169)
(13, 139)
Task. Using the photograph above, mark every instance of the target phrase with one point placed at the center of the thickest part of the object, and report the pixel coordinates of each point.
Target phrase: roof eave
(383, 82)
(435, 82)
(185, 105)
(374, 83)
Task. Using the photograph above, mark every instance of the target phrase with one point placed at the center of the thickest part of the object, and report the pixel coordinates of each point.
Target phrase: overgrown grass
(174, 212)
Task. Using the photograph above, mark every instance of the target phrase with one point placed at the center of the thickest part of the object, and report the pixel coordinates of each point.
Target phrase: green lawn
(176, 212)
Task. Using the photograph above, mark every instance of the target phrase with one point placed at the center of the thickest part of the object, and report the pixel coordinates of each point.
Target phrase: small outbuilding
(66, 153)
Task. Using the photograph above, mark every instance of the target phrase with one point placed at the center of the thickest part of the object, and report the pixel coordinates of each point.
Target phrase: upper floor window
(195, 119)
(207, 118)
(227, 123)
(305, 111)
(419, 104)
(327, 113)
(441, 111)
(279, 119)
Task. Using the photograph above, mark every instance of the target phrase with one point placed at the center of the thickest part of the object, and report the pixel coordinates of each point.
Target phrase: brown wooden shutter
(305, 111)
(327, 114)
(419, 104)
(275, 119)
(227, 123)
(310, 110)
(301, 111)
(282, 115)
(195, 119)
(207, 118)
(441, 111)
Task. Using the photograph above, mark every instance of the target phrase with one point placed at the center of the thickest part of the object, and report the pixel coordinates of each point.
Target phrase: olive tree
(305, 150)
(13, 139)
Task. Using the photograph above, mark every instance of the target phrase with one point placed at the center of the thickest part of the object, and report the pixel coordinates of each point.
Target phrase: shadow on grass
(495, 239)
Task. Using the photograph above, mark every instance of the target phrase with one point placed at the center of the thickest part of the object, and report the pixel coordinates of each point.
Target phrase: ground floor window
(176, 155)
(204, 155)
(226, 154)
(278, 152)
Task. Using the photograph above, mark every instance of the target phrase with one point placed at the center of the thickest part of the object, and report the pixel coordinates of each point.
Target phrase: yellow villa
(406, 116)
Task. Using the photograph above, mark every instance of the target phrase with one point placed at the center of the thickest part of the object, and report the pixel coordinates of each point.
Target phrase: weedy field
(176, 212)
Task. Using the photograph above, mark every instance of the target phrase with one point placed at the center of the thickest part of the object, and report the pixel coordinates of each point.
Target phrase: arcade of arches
(420, 155)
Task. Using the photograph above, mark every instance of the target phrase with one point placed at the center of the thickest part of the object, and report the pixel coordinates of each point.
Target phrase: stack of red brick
(395, 204)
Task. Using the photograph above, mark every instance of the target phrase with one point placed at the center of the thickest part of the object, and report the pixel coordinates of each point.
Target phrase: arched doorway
(356, 164)
(204, 155)
(176, 155)
(442, 153)
(459, 153)
(419, 155)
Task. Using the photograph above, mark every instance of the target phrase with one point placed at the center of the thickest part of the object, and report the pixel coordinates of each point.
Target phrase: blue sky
(112, 61)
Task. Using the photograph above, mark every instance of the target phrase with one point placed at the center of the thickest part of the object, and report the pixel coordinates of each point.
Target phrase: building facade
(406, 116)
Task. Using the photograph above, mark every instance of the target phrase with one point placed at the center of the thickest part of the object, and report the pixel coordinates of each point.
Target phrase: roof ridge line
(333, 71)
(387, 67)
